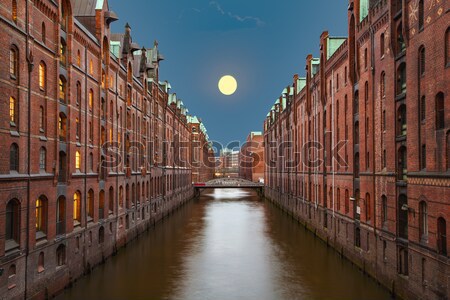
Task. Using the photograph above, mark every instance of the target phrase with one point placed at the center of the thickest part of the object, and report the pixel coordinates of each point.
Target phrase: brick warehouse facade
(69, 86)
(251, 158)
(382, 197)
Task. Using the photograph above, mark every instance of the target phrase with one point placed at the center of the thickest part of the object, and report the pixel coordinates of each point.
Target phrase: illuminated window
(77, 160)
(41, 215)
(13, 62)
(62, 89)
(91, 99)
(41, 119)
(77, 208)
(12, 110)
(91, 67)
(14, 11)
(62, 124)
(63, 53)
(77, 128)
(42, 76)
(79, 58)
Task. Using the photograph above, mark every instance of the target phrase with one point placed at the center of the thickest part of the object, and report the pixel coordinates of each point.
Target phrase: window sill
(11, 247)
(41, 237)
(14, 133)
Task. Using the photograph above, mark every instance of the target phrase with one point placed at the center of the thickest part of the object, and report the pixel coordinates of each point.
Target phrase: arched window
(423, 221)
(63, 53)
(64, 16)
(61, 255)
(12, 224)
(90, 205)
(77, 208)
(91, 99)
(421, 14)
(62, 124)
(13, 62)
(14, 158)
(77, 160)
(62, 89)
(401, 120)
(104, 83)
(14, 11)
(111, 200)
(42, 76)
(61, 216)
(43, 33)
(422, 60)
(382, 50)
(105, 50)
(12, 111)
(101, 205)
(91, 67)
(42, 158)
(121, 196)
(401, 79)
(41, 217)
(384, 211)
(440, 112)
(442, 236)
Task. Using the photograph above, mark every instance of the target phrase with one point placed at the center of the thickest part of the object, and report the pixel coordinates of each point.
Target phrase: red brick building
(359, 149)
(68, 89)
(251, 158)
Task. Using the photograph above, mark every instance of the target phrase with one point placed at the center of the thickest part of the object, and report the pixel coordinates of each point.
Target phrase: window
(368, 207)
(62, 89)
(61, 255)
(77, 160)
(14, 158)
(78, 97)
(402, 217)
(91, 133)
(401, 79)
(77, 208)
(383, 85)
(91, 162)
(62, 124)
(422, 109)
(91, 99)
(440, 112)
(12, 111)
(111, 200)
(14, 11)
(101, 205)
(401, 120)
(365, 59)
(442, 236)
(356, 103)
(356, 165)
(402, 167)
(61, 216)
(384, 211)
(423, 221)
(423, 157)
(421, 14)
(12, 223)
(63, 53)
(41, 119)
(64, 16)
(422, 61)
(43, 33)
(41, 215)
(90, 205)
(62, 171)
(13, 62)
(77, 128)
(356, 138)
(382, 50)
(401, 46)
(78, 58)
(42, 76)
(91, 67)
(42, 158)
(447, 152)
(347, 202)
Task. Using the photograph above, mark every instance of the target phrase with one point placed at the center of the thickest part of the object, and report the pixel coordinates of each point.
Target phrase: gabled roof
(87, 8)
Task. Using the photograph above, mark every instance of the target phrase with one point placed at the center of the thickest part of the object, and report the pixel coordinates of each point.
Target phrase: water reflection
(228, 244)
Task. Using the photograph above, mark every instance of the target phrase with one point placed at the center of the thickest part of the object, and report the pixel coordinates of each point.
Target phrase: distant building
(228, 163)
(251, 158)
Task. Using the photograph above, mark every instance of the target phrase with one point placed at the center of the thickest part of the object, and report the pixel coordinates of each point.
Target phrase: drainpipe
(30, 69)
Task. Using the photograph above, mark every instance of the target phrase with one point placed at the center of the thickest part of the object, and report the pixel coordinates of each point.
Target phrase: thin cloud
(258, 22)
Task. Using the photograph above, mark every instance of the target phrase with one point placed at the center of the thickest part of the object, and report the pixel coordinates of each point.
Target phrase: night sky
(261, 43)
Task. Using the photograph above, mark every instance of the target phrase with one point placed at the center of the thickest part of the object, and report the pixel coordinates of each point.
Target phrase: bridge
(228, 183)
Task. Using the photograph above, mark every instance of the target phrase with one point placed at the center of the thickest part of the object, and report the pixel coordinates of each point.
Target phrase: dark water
(227, 245)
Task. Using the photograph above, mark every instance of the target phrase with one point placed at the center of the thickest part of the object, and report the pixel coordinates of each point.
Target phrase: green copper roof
(333, 44)
(315, 62)
(363, 9)
(115, 48)
(301, 83)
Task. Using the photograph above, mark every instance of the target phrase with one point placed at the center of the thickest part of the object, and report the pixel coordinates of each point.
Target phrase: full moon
(227, 85)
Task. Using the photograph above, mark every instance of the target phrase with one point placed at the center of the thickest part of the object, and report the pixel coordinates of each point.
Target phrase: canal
(228, 244)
